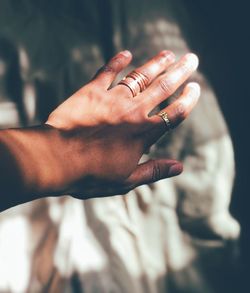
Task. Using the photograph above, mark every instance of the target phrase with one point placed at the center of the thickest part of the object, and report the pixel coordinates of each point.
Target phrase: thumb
(153, 171)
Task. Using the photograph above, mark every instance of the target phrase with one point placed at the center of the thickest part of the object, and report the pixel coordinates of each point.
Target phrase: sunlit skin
(91, 144)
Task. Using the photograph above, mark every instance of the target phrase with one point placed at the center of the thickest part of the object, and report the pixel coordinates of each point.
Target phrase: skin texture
(92, 143)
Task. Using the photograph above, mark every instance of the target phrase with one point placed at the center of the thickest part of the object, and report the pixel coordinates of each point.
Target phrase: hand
(104, 130)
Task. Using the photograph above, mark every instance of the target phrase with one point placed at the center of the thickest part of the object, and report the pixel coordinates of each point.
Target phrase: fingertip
(122, 60)
(193, 60)
(194, 88)
(126, 53)
(169, 55)
(175, 169)
(107, 74)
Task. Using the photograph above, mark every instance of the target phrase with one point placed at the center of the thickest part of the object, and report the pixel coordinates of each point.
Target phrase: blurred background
(187, 234)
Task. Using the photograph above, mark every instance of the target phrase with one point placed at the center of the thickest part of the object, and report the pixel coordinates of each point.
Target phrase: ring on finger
(164, 117)
(135, 81)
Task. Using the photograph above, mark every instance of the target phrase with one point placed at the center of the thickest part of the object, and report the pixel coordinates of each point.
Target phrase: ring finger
(171, 116)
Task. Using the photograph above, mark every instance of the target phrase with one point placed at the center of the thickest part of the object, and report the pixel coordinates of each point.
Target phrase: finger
(153, 171)
(149, 70)
(107, 74)
(176, 112)
(167, 84)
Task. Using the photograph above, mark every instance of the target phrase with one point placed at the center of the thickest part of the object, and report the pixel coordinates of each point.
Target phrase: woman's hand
(104, 130)
(92, 143)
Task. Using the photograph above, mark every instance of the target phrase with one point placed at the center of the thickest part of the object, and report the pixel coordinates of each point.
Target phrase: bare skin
(92, 143)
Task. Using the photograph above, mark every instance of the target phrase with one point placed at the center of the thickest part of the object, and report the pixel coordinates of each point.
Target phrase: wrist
(33, 163)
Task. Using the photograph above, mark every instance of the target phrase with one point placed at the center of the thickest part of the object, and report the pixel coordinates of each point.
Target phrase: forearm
(30, 164)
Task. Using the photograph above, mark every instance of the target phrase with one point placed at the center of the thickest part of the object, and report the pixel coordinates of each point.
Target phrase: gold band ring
(136, 82)
(164, 117)
(140, 78)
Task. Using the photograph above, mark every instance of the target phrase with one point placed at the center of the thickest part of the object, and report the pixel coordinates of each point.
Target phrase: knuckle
(180, 111)
(145, 72)
(118, 60)
(166, 86)
(108, 68)
(116, 63)
(184, 67)
(156, 172)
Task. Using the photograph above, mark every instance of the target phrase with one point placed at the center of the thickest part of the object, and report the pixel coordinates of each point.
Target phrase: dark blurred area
(223, 47)
(218, 31)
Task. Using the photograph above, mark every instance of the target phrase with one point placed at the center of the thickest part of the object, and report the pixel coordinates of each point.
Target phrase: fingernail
(175, 169)
(192, 60)
(126, 53)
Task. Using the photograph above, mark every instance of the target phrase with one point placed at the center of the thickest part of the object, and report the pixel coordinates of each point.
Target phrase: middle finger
(167, 84)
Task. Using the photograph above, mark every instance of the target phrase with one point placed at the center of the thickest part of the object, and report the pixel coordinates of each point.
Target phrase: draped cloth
(176, 235)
